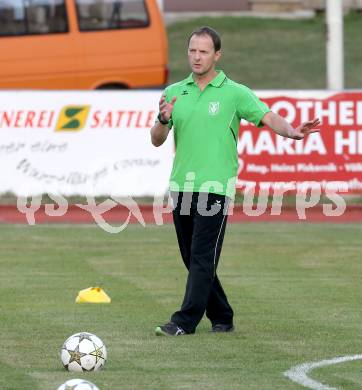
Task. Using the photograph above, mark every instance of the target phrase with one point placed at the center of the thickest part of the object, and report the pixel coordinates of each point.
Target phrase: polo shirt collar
(215, 82)
(219, 79)
(190, 79)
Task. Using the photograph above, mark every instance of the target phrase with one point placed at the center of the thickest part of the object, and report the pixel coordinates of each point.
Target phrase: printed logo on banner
(72, 118)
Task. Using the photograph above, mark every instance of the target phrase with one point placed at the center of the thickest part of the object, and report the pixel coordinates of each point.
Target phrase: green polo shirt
(206, 126)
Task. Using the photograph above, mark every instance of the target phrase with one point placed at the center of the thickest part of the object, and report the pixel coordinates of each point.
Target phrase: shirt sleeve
(250, 107)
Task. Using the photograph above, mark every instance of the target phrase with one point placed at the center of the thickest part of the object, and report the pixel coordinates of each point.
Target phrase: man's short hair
(213, 34)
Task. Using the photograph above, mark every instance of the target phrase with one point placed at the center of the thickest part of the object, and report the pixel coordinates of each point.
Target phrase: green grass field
(295, 288)
(271, 53)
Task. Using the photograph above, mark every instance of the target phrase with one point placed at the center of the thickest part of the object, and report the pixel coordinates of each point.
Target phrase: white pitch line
(298, 374)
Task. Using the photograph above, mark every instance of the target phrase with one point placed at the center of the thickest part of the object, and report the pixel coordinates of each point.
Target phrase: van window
(111, 14)
(19, 17)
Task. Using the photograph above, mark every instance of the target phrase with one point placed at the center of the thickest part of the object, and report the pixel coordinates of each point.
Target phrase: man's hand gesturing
(166, 108)
(306, 128)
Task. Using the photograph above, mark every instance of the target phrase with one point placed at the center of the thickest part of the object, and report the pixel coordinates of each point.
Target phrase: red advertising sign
(332, 155)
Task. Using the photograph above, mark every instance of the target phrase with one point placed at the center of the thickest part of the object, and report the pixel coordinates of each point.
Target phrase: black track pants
(200, 239)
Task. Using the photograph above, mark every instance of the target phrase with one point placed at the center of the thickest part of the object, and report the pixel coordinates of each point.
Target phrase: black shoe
(169, 329)
(222, 328)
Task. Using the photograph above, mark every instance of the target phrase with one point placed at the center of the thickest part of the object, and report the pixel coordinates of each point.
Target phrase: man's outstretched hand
(280, 126)
(306, 128)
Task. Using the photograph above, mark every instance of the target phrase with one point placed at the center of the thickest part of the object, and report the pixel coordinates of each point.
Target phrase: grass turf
(295, 289)
(271, 53)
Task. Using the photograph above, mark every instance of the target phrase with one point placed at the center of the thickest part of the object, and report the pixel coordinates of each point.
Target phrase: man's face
(202, 55)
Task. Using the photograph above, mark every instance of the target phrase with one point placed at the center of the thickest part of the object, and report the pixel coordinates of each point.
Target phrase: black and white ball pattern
(78, 384)
(83, 352)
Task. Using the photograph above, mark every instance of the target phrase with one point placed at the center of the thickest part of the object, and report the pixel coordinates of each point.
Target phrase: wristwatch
(159, 117)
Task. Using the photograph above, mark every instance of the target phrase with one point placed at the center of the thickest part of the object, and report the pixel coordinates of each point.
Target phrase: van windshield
(111, 14)
(20, 17)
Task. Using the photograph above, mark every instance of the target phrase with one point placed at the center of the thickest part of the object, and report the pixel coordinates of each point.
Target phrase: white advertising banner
(88, 143)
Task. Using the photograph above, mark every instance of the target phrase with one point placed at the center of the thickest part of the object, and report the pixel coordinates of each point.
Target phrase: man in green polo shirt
(204, 111)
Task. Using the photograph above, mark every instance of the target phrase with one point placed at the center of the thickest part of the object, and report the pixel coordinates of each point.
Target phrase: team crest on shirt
(214, 108)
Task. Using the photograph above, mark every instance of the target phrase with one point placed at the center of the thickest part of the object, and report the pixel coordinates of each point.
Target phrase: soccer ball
(83, 352)
(77, 384)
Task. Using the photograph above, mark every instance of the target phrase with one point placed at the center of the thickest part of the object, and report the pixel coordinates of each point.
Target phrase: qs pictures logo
(72, 118)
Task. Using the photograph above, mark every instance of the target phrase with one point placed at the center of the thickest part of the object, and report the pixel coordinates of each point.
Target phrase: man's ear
(217, 55)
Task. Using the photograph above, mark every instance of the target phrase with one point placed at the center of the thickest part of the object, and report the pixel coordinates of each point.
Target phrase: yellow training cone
(92, 295)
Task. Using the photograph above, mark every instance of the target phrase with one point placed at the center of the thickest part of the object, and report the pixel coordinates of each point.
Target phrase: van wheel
(112, 86)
